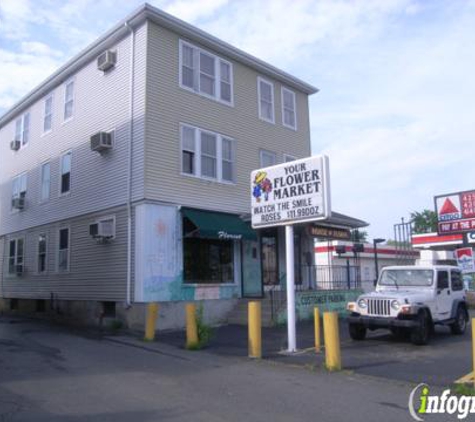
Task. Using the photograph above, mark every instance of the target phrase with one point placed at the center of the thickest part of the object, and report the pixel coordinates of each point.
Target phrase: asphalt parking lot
(446, 358)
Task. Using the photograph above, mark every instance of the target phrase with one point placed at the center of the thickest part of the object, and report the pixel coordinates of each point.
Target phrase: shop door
(251, 269)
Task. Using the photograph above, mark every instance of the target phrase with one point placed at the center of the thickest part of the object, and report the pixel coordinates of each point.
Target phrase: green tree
(359, 236)
(424, 222)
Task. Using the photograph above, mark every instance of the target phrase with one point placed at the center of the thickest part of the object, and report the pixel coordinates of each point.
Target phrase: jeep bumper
(379, 322)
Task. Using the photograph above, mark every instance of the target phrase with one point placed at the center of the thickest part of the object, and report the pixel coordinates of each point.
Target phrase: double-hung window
(289, 114)
(267, 158)
(68, 100)
(207, 154)
(42, 249)
(63, 249)
(16, 250)
(265, 90)
(19, 184)
(48, 114)
(205, 73)
(65, 175)
(45, 182)
(22, 129)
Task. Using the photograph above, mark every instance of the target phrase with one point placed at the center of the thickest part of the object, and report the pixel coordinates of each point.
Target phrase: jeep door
(443, 295)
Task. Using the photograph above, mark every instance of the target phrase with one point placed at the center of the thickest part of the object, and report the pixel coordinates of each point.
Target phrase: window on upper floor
(267, 158)
(16, 250)
(288, 158)
(48, 114)
(65, 174)
(63, 249)
(207, 154)
(19, 184)
(22, 129)
(265, 90)
(289, 113)
(42, 251)
(205, 73)
(45, 182)
(68, 100)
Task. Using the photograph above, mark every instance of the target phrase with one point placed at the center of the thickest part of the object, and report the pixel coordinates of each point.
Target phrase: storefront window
(208, 261)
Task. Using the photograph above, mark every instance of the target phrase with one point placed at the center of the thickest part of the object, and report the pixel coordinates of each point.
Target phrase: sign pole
(289, 262)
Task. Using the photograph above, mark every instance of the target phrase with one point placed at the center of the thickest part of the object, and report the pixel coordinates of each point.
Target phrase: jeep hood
(401, 295)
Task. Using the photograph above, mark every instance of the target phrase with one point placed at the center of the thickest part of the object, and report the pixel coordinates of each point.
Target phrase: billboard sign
(455, 212)
(464, 258)
(289, 193)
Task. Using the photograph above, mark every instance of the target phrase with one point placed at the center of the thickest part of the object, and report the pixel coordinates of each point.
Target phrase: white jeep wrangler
(412, 299)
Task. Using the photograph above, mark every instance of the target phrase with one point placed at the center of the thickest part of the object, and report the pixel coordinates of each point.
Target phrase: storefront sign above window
(328, 233)
(289, 193)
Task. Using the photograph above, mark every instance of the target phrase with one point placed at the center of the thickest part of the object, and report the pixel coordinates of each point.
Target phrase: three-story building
(125, 175)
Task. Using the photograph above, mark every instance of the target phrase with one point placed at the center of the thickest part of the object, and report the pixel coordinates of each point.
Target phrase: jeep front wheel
(460, 323)
(357, 331)
(421, 332)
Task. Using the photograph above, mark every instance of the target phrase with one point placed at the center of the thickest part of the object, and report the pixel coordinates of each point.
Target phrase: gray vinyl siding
(168, 105)
(97, 271)
(101, 103)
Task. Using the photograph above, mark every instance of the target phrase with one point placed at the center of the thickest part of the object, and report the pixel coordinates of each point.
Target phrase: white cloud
(192, 10)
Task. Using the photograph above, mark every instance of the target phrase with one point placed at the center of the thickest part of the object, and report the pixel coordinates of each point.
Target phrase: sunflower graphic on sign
(262, 186)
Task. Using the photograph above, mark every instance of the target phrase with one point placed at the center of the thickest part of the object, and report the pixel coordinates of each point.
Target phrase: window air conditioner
(102, 230)
(15, 145)
(106, 60)
(18, 203)
(101, 141)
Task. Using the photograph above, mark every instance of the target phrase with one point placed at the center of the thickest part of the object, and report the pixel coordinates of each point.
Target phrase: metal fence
(331, 277)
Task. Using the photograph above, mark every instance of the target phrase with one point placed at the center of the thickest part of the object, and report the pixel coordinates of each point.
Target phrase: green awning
(217, 225)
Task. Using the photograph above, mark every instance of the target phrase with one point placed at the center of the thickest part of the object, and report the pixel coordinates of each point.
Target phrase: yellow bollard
(332, 341)
(473, 349)
(191, 327)
(254, 334)
(152, 311)
(318, 336)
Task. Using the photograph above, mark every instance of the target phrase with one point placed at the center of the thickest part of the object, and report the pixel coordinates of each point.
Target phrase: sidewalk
(444, 360)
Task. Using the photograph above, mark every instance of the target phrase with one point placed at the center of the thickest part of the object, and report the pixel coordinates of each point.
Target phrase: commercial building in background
(125, 176)
(347, 265)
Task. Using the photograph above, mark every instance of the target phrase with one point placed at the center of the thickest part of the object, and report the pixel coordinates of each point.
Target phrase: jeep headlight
(395, 305)
(362, 303)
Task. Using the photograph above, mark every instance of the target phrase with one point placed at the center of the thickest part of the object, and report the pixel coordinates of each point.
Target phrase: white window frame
(197, 71)
(58, 250)
(45, 115)
(15, 239)
(112, 217)
(265, 81)
(72, 100)
(21, 176)
(43, 200)
(288, 158)
(283, 90)
(61, 173)
(20, 134)
(263, 152)
(197, 155)
(38, 253)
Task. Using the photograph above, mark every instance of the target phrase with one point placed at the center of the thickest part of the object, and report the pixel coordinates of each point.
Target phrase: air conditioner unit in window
(15, 145)
(18, 203)
(102, 230)
(101, 141)
(106, 60)
(19, 269)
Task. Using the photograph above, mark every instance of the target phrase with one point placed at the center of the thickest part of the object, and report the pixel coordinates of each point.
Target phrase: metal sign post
(289, 261)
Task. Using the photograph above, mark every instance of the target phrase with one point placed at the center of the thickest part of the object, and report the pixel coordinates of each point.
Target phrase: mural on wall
(159, 259)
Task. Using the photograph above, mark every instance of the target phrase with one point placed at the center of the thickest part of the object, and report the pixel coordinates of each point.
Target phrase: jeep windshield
(399, 278)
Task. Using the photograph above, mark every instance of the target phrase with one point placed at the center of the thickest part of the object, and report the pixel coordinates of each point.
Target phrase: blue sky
(395, 111)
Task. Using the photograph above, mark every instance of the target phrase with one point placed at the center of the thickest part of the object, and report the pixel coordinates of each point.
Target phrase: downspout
(129, 166)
